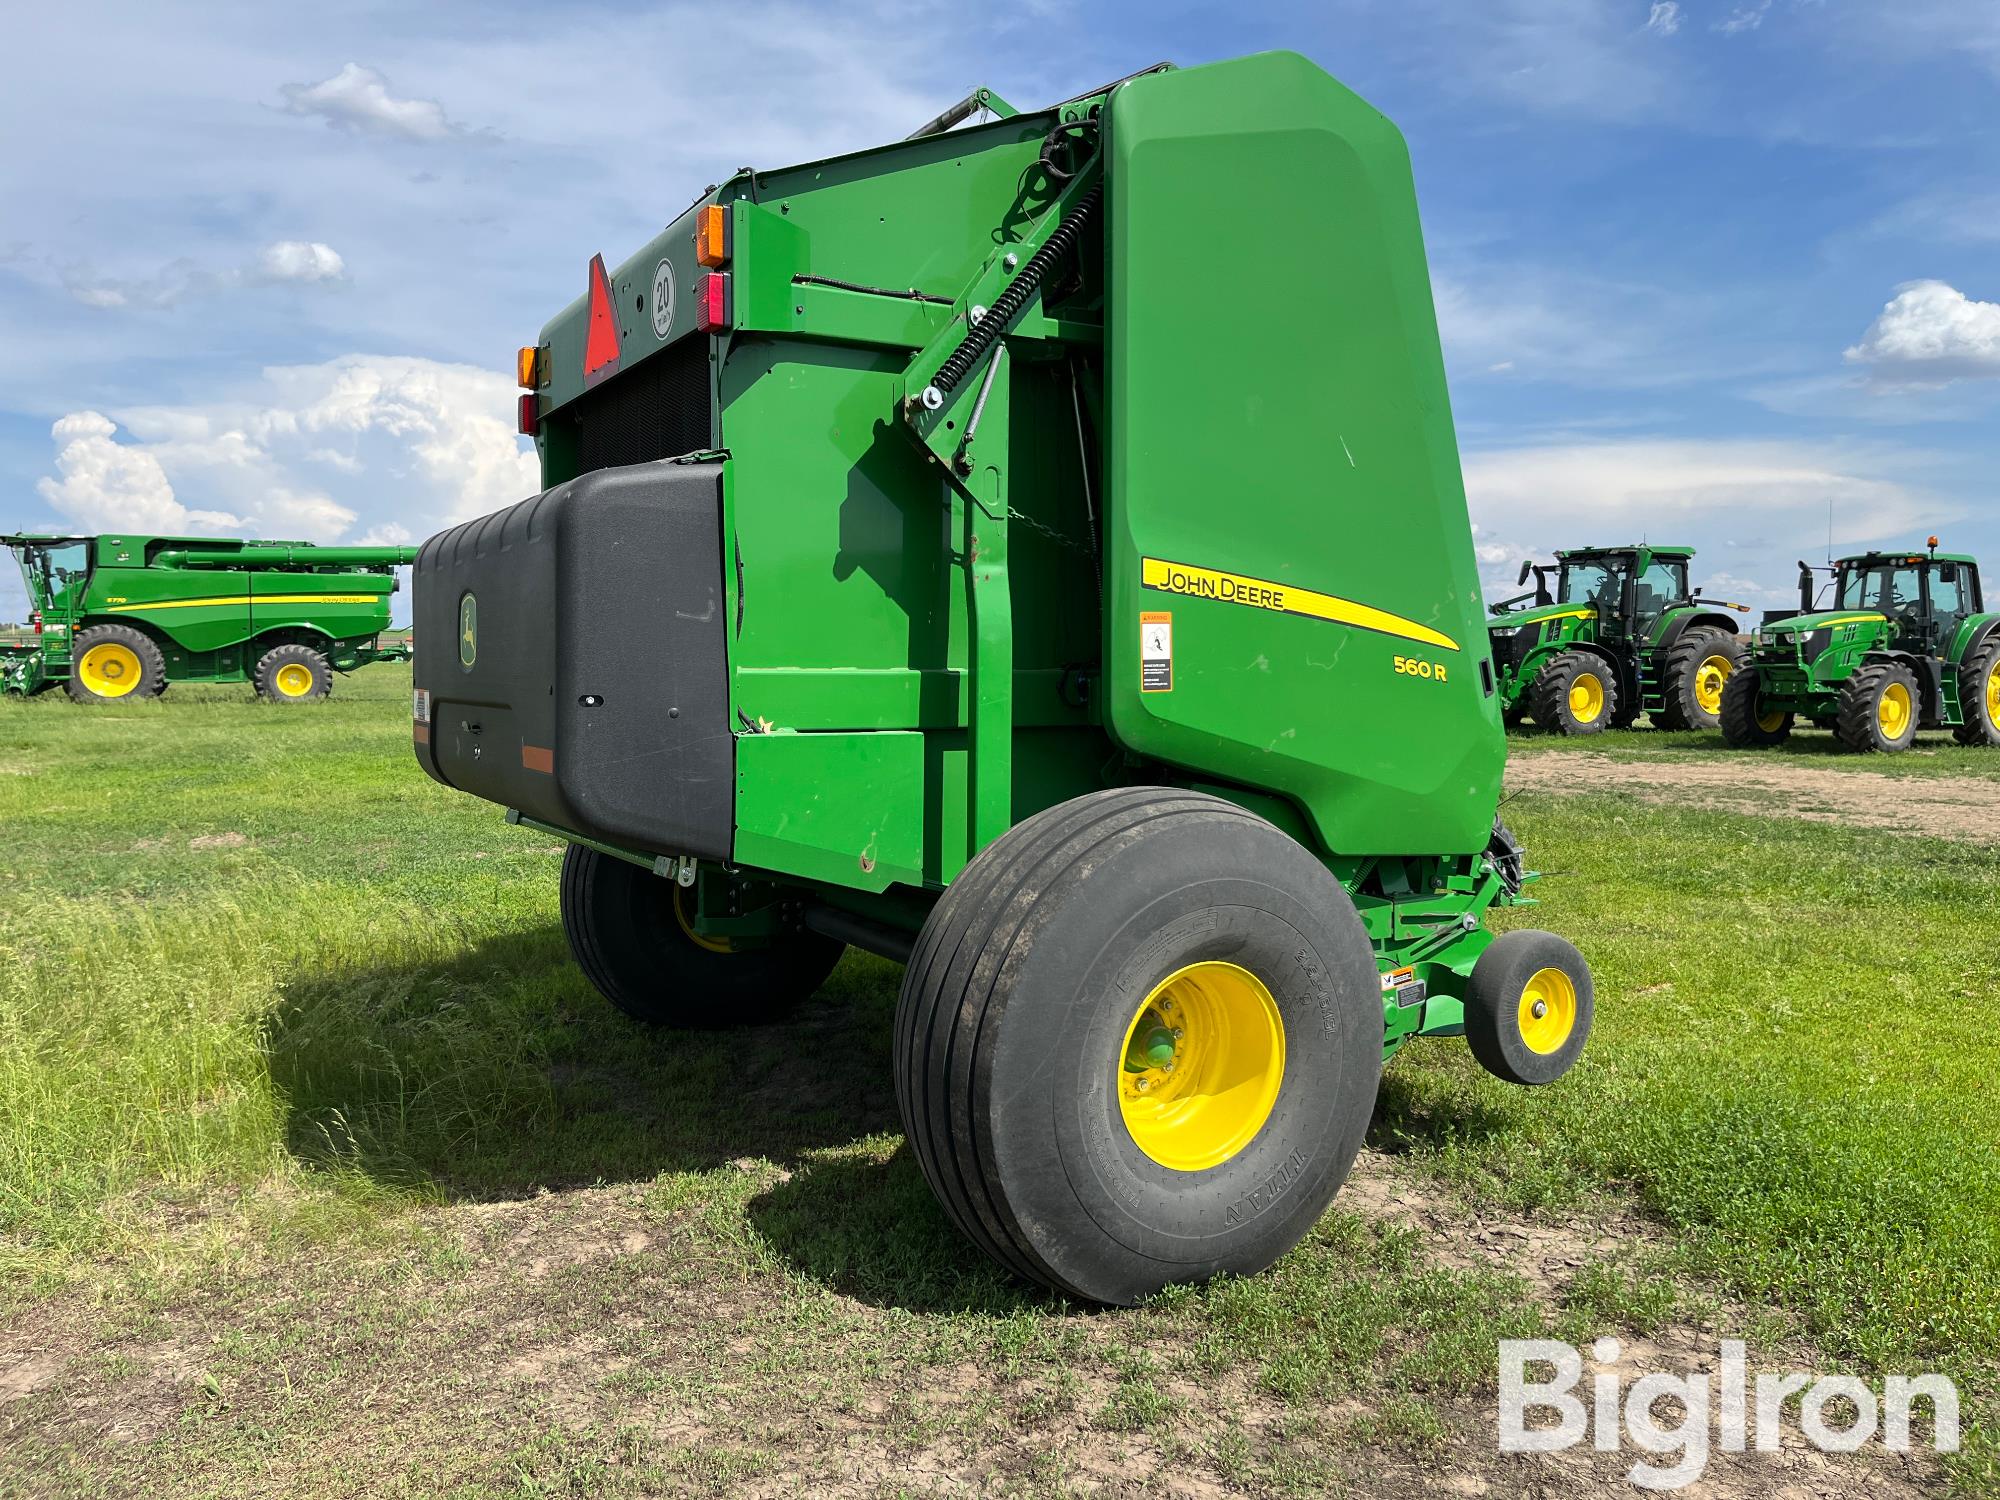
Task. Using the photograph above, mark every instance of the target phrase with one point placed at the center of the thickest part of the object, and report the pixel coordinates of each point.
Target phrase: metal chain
(1048, 531)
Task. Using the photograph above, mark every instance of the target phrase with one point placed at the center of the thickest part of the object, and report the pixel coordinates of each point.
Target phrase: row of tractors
(1886, 644)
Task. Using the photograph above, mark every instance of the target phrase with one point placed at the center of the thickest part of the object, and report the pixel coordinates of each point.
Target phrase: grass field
(322, 1172)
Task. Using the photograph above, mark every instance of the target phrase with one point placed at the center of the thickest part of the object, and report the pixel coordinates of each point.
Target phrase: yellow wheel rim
(1586, 697)
(1708, 680)
(1771, 723)
(1892, 710)
(1993, 695)
(699, 939)
(294, 679)
(1201, 1065)
(110, 670)
(1548, 1010)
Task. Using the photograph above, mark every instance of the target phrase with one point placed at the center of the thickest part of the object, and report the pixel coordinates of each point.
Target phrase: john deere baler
(1035, 551)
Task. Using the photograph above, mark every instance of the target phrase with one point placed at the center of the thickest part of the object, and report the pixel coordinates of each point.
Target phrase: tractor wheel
(292, 674)
(1138, 1043)
(1528, 1007)
(1879, 707)
(629, 932)
(1574, 694)
(112, 663)
(1979, 697)
(1746, 723)
(1698, 667)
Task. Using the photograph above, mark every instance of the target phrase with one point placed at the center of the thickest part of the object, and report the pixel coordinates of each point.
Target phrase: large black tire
(1979, 696)
(1698, 668)
(115, 664)
(1576, 693)
(1879, 709)
(627, 934)
(1020, 1009)
(1746, 723)
(1528, 1007)
(292, 674)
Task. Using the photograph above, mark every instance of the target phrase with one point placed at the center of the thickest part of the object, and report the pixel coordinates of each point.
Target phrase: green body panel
(933, 586)
(212, 605)
(1804, 660)
(1288, 422)
(1635, 648)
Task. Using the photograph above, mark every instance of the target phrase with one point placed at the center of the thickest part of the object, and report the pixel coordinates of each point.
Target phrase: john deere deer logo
(468, 631)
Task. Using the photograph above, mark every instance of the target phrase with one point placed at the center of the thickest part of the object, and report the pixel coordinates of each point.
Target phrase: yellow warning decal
(1260, 593)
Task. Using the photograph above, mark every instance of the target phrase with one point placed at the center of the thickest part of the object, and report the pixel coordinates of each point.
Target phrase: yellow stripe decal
(1837, 620)
(1260, 593)
(267, 600)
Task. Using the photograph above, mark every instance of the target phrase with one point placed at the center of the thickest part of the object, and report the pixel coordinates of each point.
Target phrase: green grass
(301, 1100)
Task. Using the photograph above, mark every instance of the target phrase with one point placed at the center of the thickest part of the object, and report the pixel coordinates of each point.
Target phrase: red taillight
(528, 413)
(35, 620)
(712, 303)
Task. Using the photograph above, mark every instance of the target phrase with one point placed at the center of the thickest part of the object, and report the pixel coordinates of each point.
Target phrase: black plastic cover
(585, 683)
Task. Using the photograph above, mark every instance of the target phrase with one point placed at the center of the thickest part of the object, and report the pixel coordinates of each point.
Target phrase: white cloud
(301, 260)
(111, 486)
(1744, 18)
(358, 98)
(303, 455)
(1665, 18)
(1675, 490)
(1931, 333)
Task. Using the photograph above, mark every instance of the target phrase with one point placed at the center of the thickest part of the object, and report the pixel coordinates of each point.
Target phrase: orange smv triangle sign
(600, 341)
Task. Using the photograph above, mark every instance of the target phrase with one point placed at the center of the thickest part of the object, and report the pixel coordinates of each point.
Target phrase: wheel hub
(1548, 1010)
(1201, 1065)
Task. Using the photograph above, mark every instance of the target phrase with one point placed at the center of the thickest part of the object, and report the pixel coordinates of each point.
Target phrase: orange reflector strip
(527, 368)
(537, 758)
(711, 234)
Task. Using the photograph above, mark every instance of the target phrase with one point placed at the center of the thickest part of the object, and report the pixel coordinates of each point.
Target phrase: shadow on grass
(502, 1072)
(870, 1229)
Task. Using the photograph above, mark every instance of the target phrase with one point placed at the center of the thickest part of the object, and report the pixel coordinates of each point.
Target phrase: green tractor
(1903, 643)
(117, 618)
(941, 555)
(1620, 634)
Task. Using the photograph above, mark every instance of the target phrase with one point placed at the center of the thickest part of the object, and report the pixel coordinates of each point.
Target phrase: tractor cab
(55, 570)
(1924, 598)
(1630, 588)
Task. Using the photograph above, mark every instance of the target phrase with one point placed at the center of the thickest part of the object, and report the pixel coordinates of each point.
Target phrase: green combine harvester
(1907, 644)
(124, 617)
(1619, 635)
(1035, 552)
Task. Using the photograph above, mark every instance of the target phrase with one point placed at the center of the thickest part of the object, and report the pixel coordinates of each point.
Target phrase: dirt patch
(1951, 807)
(590, 1341)
(218, 841)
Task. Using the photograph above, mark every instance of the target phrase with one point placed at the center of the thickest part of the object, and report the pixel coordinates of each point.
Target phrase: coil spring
(1012, 300)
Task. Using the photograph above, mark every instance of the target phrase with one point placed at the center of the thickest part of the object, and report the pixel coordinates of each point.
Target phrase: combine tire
(1528, 1007)
(1879, 707)
(1574, 694)
(629, 933)
(1979, 697)
(1138, 1044)
(113, 663)
(1698, 668)
(1746, 723)
(292, 674)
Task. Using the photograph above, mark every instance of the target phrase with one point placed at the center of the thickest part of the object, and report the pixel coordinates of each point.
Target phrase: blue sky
(1704, 267)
